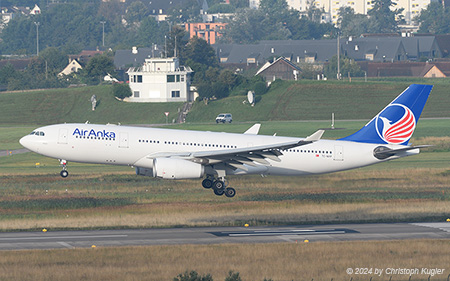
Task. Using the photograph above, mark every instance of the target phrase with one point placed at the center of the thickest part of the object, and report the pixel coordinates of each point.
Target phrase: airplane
(182, 154)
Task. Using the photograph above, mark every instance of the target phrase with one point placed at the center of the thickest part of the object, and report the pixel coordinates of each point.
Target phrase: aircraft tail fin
(395, 124)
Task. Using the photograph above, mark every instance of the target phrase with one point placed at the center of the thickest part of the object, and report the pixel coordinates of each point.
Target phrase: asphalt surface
(219, 235)
(12, 152)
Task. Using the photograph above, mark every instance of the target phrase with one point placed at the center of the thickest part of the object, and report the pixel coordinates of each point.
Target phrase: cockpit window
(37, 133)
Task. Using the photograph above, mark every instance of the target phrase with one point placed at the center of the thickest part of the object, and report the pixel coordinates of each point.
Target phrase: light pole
(103, 37)
(37, 37)
(338, 58)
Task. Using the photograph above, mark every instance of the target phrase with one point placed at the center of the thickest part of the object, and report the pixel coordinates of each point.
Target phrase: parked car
(224, 117)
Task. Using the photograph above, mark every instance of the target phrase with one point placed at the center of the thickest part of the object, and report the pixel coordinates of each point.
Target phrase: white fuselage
(136, 146)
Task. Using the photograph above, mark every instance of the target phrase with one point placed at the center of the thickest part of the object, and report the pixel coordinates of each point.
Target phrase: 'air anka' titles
(93, 133)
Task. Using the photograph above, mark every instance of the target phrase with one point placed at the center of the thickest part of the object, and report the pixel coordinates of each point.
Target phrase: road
(219, 235)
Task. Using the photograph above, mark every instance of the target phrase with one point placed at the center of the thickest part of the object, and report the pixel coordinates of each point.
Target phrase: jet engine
(144, 172)
(174, 169)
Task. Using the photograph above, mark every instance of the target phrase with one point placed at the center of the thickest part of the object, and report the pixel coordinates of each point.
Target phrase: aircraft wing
(237, 157)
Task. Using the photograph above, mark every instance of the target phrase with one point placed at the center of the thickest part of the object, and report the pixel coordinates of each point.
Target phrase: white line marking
(61, 237)
(283, 233)
(444, 226)
(67, 245)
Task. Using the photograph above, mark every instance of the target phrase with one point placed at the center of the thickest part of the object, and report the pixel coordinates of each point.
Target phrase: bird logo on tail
(396, 124)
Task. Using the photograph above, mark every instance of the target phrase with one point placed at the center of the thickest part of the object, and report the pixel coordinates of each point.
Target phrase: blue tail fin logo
(395, 124)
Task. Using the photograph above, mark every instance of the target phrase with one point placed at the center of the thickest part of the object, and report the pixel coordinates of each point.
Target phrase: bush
(121, 91)
(233, 276)
(260, 88)
(192, 276)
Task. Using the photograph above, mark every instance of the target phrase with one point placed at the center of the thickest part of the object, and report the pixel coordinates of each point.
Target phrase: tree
(434, 19)
(176, 36)
(352, 24)
(347, 67)
(136, 12)
(187, 11)
(274, 8)
(221, 8)
(55, 59)
(246, 27)
(199, 51)
(7, 73)
(383, 18)
(314, 13)
(272, 21)
(98, 67)
(150, 31)
(121, 91)
(200, 56)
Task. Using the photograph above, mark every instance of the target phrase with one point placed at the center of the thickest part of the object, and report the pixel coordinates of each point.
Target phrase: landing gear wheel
(230, 192)
(64, 173)
(207, 183)
(219, 185)
(219, 192)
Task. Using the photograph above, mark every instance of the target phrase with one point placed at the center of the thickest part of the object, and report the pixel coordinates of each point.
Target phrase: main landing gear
(219, 186)
(64, 173)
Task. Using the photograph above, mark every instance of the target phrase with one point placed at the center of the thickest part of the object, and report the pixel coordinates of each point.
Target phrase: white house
(72, 67)
(160, 80)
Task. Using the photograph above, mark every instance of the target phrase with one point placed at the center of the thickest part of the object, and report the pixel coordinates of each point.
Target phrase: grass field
(283, 261)
(95, 196)
(301, 100)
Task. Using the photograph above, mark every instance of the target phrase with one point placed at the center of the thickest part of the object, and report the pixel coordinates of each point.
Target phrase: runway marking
(284, 233)
(444, 226)
(61, 237)
(67, 245)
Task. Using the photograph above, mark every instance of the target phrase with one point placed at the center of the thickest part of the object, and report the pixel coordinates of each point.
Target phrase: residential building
(372, 48)
(281, 68)
(411, 8)
(296, 51)
(72, 67)
(160, 9)
(123, 59)
(160, 80)
(207, 31)
(406, 69)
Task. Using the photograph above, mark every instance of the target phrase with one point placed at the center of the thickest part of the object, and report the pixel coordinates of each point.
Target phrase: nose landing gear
(64, 173)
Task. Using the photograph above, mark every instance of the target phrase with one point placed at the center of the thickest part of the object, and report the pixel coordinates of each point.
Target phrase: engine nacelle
(144, 172)
(175, 169)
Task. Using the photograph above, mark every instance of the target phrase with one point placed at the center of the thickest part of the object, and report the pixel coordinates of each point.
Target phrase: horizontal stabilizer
(254, 130)
(316, 136)
(383, 152)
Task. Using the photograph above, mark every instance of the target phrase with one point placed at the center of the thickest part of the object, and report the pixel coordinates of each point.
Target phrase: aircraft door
(123, 140)
(62, 137)
(338, 153)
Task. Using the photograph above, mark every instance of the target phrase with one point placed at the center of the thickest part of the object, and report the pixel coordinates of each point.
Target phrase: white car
(224, 117)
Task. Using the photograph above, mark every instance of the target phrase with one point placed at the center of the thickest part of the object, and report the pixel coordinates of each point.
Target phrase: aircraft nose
(25, 142)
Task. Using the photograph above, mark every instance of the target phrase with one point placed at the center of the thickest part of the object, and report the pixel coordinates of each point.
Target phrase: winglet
(254, 130)
(316, 136)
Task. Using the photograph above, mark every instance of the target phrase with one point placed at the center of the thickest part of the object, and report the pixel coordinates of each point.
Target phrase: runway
(219, 235)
